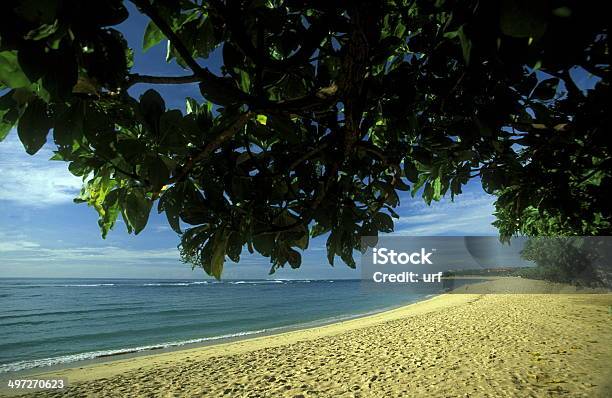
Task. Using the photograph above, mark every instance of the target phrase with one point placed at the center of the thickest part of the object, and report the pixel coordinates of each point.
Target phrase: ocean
(45, 322)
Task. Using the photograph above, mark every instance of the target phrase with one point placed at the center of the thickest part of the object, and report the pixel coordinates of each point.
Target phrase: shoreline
(177, 346)
(105, 366)
(523, 344)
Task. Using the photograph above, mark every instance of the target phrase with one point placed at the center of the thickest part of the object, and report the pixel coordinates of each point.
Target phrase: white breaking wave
(88, 285)
(37, 363)
(176, 283)
(167, 284)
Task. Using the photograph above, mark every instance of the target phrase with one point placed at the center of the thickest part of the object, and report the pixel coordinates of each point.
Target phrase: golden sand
(454, 345)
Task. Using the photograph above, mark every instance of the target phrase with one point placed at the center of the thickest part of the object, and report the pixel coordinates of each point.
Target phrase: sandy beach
(453, 345)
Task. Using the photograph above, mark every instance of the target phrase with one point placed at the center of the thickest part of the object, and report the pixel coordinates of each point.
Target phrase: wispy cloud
(12, 252)
(17, 246)
(471, 214)
(34, 180)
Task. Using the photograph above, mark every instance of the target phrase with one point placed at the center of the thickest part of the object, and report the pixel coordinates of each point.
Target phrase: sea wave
(266, 282)
(271, 281)
(65, 359)
(176, 283)
(164, 283)
(86, 285)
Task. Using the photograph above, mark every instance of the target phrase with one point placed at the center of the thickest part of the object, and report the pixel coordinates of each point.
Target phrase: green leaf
(294, 258)
(221, 91)
(411, 171)
(245, 81)
(205, 40)
(158, 173)
(383, 222)
(262, 119)
(214, 257)
(347, 256)
(34, 126)
(152, 36)
(152, 104)
(8, 114)
(466, 45)
(136, 209)
(171, 202)
(111, 210)
(333, 246)
(42, 31)
(218, 257)
(422, 155)
(5, 128)
(61, 73)
(234, 246)
(191, 105)
(264, 244)
(428, 193)
(10, 71)
(69, 126)
(437, 189)
(302, 242)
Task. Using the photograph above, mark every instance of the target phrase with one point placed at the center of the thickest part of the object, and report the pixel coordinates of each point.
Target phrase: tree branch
(307, 155)
(212, 146)
(203, 75)
(135, 78)
(149, 10)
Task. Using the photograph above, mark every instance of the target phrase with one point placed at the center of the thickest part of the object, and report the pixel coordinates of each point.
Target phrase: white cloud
(471, 213)
(14, 251)
(34, 180)
(17, 246)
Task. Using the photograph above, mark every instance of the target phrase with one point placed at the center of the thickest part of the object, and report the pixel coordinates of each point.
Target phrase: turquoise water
(47, 322)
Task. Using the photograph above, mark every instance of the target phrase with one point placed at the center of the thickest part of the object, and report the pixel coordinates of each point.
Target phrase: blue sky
(44, 234)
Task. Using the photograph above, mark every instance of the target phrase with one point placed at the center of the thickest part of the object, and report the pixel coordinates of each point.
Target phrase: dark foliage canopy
(324, 110)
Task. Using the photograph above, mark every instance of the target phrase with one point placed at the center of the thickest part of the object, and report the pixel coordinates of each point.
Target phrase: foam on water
(37, 363)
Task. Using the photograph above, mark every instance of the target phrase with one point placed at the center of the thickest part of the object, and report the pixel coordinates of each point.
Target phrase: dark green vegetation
(324, 110)
(577, 260)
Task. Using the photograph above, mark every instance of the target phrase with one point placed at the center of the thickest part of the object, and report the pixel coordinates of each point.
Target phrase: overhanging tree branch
(136, 78)
(204, 76)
